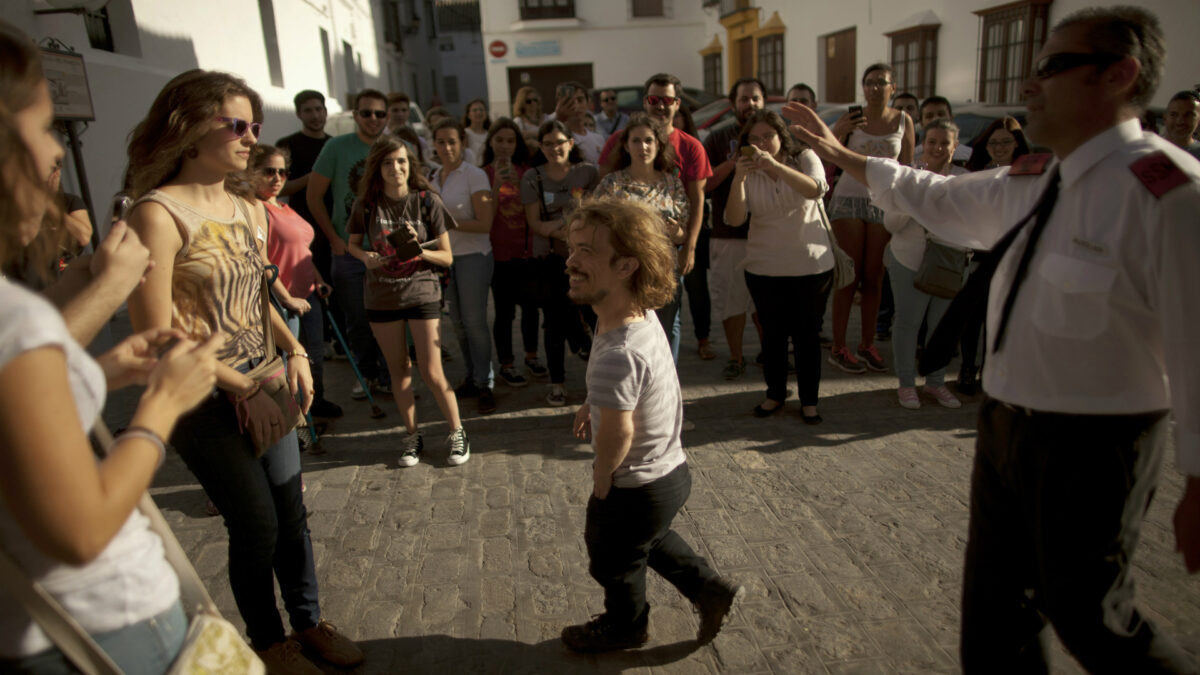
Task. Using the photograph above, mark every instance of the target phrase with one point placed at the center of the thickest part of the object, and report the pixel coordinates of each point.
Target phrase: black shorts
(429, 310)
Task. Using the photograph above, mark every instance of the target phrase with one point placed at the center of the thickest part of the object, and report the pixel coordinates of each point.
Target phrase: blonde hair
(635, 231)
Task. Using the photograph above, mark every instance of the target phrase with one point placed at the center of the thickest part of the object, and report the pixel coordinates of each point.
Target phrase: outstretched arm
(809, 128)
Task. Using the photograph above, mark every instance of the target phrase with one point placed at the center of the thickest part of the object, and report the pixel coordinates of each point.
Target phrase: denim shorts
(857, 208)
(429, 310)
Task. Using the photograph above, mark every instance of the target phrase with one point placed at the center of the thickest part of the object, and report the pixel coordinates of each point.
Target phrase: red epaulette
(1030, 165)
(1158, 173)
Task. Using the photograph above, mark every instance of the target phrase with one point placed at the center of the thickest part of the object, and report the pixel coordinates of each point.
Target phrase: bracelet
(143, 432)
(301, 354)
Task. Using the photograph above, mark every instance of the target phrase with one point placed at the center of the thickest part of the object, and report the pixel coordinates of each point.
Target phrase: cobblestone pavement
(848, 535)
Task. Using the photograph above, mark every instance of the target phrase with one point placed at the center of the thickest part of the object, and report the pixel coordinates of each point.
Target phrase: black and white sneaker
(510, 376)
(536, 369)
(410, 455)
(459, 447)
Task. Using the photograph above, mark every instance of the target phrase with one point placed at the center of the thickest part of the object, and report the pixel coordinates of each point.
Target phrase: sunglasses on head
(1054, 64)
(379, 114)
(239, 126)
(662, 100)
(271, 172)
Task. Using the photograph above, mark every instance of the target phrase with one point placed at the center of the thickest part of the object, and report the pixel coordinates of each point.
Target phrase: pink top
(287, 246)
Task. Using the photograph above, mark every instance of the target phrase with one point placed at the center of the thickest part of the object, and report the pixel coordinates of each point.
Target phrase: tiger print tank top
(217, 281)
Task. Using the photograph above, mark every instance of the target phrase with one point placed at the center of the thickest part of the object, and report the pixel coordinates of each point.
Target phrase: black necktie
(943, 343)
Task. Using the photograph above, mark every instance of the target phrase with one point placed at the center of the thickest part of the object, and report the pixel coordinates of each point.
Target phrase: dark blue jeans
(264, 514)
(629, 530)
(348, 275)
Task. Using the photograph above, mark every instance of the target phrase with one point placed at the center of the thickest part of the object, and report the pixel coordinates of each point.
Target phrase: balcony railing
(547, 9)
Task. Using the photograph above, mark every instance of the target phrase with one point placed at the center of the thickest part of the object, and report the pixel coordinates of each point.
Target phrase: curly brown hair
(177, 119)
(635, 231)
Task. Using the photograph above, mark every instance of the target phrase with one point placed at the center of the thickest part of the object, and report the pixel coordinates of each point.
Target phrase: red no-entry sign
(497, 49)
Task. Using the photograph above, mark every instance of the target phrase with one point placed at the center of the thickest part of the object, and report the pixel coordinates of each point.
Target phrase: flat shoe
(813, 419)
(760, 411)
(707, 353)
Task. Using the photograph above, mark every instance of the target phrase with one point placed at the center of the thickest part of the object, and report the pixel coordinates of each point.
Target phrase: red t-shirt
(287, 247)
(689, 154)
(511, 236)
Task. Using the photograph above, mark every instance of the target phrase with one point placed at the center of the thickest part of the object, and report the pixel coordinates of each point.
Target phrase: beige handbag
(843, 264)
(212, 646)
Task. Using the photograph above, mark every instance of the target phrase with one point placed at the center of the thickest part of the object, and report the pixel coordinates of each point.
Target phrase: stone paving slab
(849, 536)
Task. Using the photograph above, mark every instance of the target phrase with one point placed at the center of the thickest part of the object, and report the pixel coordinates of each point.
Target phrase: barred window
(770, 63)
(1012, 35)
(914, 58)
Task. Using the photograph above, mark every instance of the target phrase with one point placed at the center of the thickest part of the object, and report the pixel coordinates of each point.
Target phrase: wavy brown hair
(177, 119)
(370, 186)
(663, 161)
(522, 100)
(20, 78)
(981, 158)
(787, 146)
(635, 231)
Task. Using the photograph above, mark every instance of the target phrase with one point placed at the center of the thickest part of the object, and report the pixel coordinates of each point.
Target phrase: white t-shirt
(476, 144)
(908, 237)
(590, 145)
(456, 193)
(130, 581)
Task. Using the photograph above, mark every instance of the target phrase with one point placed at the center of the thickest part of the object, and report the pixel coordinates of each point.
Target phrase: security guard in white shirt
(1094, 336)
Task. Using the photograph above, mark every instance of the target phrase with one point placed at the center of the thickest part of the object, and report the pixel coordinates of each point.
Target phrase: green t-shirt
(342, 161)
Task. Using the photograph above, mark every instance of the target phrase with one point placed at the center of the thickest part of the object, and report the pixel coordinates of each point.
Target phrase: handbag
(270, 377)
(212, 644)
(942, 269)
(843, 264)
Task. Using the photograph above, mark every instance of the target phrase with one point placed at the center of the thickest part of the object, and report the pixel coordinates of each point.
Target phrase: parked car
(629, 98)
(712, 114)
(343, 122)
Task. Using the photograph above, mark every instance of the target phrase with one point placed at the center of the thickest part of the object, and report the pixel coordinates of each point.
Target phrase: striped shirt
(631, 369)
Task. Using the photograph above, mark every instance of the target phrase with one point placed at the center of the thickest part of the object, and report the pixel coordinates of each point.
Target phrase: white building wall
(621, 49)
(464, 60)
(158, 39)
(958, 37)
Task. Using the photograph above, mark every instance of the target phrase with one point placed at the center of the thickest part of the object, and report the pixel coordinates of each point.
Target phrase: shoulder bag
(942, 269)
(843, 264)
(212, 644)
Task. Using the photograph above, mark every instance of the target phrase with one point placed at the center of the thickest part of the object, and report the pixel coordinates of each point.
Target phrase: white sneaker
(557, 396)
(410, 455)
(357, 392)
(459, 447)
(687, 425)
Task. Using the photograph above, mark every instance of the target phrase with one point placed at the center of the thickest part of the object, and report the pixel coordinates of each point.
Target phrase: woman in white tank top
(879, 132)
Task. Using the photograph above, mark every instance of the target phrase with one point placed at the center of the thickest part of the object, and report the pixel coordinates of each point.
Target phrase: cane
(376, 411)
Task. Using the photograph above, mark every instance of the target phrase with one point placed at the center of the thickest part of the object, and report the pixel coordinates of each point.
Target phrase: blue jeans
(310, 329)
(911, 307)
(467, 295)
(348, 273)
(144, 648)
(264, 514)
(668, 316)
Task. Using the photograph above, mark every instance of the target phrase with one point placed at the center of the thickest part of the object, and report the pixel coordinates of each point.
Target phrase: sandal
(706, 352)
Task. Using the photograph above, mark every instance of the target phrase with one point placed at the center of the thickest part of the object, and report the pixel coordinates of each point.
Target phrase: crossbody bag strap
(62, 629)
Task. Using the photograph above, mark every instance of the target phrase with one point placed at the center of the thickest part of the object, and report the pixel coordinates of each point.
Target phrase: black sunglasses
(1054, 64)
(379, 114)
(270, 172)
(239, 126)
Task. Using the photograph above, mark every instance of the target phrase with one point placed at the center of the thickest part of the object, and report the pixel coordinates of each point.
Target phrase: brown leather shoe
(326, 641)
(284, 658)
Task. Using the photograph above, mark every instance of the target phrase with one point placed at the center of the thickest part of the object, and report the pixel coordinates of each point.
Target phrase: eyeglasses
(239, 126)
(1054, 64)
(271, 172)
(379, 114)
(554, 144)
(667, 101)
(764, 139)
(608, 99)
(1001, 143)
(877, 83)
(533, 99)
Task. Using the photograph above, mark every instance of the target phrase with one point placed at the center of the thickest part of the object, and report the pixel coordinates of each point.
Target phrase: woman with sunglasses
(475, 124)
(527, 113)
(998, 145)
(517, 271)
(208, 245)
(878, 131)
(299, 286)
(550, 191)
(789, 258)
(67, 518)
(465, 190)
(397, 209)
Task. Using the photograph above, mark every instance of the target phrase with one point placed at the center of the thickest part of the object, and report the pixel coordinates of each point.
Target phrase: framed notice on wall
(68, 82)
